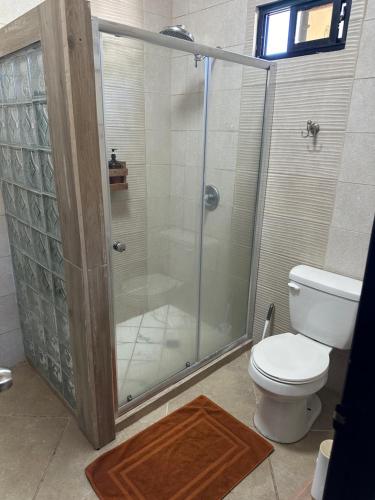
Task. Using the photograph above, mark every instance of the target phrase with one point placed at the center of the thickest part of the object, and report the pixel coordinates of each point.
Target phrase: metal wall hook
(312, 129)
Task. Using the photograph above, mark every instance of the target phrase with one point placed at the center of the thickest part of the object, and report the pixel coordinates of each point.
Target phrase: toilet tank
(323, 305)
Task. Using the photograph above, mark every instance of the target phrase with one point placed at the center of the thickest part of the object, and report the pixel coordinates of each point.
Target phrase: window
(290, 28)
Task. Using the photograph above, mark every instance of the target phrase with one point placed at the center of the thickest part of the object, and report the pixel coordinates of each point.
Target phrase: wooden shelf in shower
(117, 178)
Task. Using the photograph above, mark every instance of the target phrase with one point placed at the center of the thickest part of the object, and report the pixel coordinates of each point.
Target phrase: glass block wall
(28, 187)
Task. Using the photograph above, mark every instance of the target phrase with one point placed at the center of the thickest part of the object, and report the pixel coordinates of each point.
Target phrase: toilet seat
(291, 359)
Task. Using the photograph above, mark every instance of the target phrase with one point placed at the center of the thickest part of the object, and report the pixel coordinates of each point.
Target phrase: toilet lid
(290, 358)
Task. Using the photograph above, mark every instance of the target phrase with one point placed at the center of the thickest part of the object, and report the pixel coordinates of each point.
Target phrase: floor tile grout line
(51, 459)
(273, 479)
(305, 489)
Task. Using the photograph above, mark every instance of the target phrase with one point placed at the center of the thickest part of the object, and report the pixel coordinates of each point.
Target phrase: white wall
(354, 208)
(319, 200)
(304, 179)
(9, 9)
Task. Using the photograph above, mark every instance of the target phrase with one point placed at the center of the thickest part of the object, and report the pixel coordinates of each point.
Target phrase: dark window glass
(292, 28)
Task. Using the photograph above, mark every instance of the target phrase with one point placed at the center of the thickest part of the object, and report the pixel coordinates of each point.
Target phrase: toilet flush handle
(293, 286)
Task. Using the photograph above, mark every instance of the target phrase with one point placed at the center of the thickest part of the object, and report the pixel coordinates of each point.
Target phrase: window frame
(303, 48)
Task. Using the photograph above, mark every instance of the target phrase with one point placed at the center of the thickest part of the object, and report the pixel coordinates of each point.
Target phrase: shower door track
(122, 30)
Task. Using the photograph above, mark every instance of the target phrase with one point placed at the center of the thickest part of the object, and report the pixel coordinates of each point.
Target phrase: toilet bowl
(290, 368)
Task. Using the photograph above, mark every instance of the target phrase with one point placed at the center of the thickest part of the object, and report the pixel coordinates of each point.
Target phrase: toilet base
(283, 419)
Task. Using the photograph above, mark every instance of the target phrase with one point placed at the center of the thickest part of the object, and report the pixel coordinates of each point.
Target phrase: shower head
(178, 31)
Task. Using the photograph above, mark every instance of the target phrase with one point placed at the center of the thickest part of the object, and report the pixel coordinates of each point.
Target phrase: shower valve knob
(119, 246)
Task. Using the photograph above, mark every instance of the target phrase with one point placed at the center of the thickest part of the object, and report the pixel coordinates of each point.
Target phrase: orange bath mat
(197, 452)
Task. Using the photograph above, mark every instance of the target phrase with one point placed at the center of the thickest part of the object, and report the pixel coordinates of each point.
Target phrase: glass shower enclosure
(191, 123)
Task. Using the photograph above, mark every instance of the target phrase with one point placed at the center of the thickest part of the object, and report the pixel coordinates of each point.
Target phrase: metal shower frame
(121, 30)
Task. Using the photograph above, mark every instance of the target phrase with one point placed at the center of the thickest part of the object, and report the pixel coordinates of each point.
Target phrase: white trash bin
(321, 468)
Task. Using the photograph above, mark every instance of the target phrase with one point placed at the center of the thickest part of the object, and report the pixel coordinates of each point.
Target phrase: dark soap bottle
(114, 163)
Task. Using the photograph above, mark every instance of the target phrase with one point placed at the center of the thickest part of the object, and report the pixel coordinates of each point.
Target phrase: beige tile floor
(153, 346)
(43, 454)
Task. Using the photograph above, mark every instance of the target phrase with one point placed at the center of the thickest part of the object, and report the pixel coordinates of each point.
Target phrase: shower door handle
(119, 246)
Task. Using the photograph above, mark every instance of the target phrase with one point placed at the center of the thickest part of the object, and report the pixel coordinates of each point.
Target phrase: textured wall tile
(347, 252)
(362, 108)
(357, 159)
(366, 64)
(226, 75)
(187, 111)
(222, 150)
(11, 348)
(300, 197)
(291, 154)
(160, 7)
(269, 261)
(354, 207)
(120, 11)
(224, 110)
(196, 5)
(157, 70)
(370, 11)
(157, 114)
(222, 24)
(179, 8)
(155, 22)
(265, 297)
(323, 66)
(324, 101)
(293, 237)
(358, 9)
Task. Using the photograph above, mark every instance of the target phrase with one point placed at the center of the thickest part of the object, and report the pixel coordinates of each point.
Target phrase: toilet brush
(267, 324)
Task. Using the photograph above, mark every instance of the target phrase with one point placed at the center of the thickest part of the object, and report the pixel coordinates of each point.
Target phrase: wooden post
(64, 29)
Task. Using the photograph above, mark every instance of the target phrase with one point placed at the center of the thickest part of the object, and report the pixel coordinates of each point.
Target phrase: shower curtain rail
(123, 30)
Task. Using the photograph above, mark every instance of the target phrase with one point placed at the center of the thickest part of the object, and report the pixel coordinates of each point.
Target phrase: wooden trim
(83, 93)
(70, 78)
(117, 177)
(114, 172)
(105, 192)
(20, 33)
(161, 398)
(64, 29)
(62, 129)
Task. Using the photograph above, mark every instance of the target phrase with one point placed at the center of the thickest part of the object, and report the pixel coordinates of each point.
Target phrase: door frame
(351, 467)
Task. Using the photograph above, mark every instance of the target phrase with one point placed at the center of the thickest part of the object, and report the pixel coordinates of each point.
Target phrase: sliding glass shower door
(190, 133)
(234, 122)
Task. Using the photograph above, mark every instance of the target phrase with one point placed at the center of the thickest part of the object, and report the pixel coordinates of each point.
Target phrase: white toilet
(288, 369)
